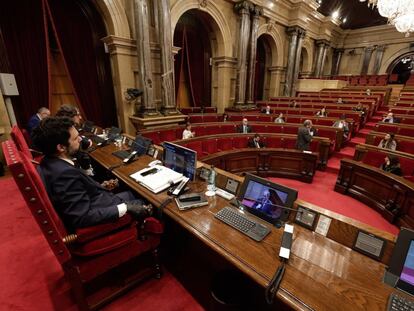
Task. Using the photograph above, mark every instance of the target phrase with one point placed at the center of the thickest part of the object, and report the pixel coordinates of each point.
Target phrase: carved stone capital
(300, 32)
(244, 7)
(257, 11)
(381, 48)
(338, 51)
(369, 49)
(292, 31)
(322, 43)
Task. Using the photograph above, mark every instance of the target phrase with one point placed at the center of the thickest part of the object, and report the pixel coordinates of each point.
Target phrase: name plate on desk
(369, 244)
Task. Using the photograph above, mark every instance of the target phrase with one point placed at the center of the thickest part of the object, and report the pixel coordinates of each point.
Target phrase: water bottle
(211, 182)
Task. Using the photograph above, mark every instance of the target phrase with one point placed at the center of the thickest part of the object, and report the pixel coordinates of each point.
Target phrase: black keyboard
(399, 303)
(243, 223)
(122, 154)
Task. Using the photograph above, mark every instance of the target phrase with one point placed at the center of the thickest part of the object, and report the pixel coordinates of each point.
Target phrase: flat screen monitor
(141, 145)
(266, 199)
(88, 126)
(180, 159)
(114, 132)
(402, 261)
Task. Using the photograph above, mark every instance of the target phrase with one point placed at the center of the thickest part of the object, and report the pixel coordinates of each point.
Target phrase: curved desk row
(335, 135)
(404, 143)
(323, 273)
(267, 162)
(392, 196)
(269, 118)
(374, 156)
(369, 108)
(207, 146)
(396, 128)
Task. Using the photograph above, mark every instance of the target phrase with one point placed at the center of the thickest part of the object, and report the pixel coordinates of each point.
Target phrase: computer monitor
(180, 159)
(114, 132)
(266, 199)
(88, 126)
(402, 261)
(141, 145)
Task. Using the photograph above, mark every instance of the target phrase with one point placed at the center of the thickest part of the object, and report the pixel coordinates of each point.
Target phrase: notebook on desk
(158, 180)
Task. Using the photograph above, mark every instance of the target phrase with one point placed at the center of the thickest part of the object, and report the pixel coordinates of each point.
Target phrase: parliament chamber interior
(207, 155)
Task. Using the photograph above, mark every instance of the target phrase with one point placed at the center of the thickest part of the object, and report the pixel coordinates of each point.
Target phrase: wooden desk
(392, 196)
(267, 162)
(320, 275)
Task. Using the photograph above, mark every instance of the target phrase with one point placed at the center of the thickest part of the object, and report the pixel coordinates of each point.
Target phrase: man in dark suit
(255, 142)
(79, 200)
(35, 119)
(244, 127)
(304, 136)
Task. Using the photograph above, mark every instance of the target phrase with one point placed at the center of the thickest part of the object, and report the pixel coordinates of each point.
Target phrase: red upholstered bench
(224, 143)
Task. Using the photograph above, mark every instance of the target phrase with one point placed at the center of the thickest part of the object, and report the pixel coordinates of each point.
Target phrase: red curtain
(78, 30)
(23, 28)
(193, 60)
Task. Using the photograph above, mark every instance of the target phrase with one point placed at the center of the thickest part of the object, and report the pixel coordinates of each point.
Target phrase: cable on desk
(274, 284)
(111, 168)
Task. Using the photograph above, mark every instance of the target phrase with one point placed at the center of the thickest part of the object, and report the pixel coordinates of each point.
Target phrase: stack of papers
(158, 181)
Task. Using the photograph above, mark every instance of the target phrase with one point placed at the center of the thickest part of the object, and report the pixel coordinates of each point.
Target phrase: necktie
(244, 129)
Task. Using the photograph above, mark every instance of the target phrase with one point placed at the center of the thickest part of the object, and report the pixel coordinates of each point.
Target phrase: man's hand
(110, 184)
(138, 210)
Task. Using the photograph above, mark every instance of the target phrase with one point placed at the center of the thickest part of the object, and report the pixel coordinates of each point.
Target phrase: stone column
(336, 61)
(243, 8)
(167, 58)
(148, 107)
(301, 35)
(367, 59)
(224, 68)
(276, 76)
(293, 34)
(321, 45)
(378, 58)
(325, 51)
(257, 11)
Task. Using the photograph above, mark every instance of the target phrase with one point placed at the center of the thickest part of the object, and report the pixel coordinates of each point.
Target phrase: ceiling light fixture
(344, 20)
(399, 13)
(335, 14)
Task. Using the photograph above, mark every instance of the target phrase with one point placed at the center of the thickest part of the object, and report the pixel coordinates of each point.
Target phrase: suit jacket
(251, 144)
(78, 199)
(34, 122)
(239, 128)
(304, 139)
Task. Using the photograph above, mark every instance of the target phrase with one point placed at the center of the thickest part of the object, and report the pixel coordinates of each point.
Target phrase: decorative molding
(203, 3)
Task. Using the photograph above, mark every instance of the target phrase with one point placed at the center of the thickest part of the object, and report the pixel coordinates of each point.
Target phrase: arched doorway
(193, 61)
(263, 62)
(403, 67)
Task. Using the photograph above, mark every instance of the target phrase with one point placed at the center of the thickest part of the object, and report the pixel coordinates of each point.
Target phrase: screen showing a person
(141, 145)
(264, 199)
(407, 273)
(180, 159)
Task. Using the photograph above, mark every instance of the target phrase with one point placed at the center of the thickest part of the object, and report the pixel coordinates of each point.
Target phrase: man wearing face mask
(79, 200)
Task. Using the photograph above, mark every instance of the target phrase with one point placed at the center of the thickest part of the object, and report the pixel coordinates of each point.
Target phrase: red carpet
(31, 278)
